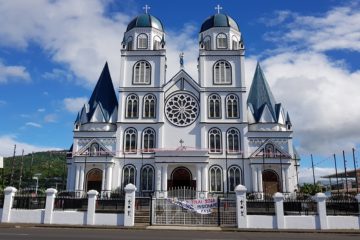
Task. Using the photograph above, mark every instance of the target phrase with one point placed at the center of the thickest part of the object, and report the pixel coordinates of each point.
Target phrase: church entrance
(271, 183)
(181, 177)
(94, 180)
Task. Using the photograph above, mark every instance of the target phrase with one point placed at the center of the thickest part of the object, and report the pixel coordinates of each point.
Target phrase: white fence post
(90, 216)
(279, 210)
(129, 210)
(320, 198)
(49, 205)
(8, 202)
(358, 200)
(241, 212)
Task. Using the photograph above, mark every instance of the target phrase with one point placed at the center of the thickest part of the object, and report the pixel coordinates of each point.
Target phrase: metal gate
(167, 213)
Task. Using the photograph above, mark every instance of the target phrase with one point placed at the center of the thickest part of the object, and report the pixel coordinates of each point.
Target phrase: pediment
(182, 81)
(271, 150)
(102, 150)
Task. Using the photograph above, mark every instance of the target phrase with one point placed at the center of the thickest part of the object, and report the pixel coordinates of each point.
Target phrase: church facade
(164, 132)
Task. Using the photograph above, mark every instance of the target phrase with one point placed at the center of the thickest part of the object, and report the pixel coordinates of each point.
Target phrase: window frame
(220, 141)
(127, 106)
(128, 166)
(229, 177)
(144, 106)
(143, 140)
(207, 39)
(227, 141)
(130, 151)
(146, 64)
(147, 166)
(217, 167)
(209, 106)
(226, 41)
(219, 62)
(227, 107)
(138, 41)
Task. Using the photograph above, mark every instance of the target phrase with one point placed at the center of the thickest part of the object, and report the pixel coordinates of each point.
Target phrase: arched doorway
(181, 177)
(94, 180)
(271, 183)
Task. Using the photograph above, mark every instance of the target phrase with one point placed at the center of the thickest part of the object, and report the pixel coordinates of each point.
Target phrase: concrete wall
(261, 221)
(27, 216)
(69, 217)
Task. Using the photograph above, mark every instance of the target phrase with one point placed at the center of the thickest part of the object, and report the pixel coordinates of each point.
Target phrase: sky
(52, 53)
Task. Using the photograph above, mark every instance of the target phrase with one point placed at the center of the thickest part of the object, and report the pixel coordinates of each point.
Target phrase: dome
(145, 20)
(219, 20)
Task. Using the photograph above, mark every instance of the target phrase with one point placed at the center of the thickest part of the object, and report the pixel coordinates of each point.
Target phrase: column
(198, 179)
(283, 184)
(260, 181)
(158, 178)
(119, 176)
(81, 181)
(129, 210)
(90, 216)
(286, 178)
(49, 205)
(77, 177)
(279, 210)
(255, 178)
(241, 212)
(164, 179)
(204, 180)
(103, 182)
(108, 177)
(9, 193)
(320, 198)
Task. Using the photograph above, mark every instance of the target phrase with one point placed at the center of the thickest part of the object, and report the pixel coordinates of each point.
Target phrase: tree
(310, 189)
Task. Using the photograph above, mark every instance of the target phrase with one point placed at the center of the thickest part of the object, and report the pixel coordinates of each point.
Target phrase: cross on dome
(218, 8)
(146, 8)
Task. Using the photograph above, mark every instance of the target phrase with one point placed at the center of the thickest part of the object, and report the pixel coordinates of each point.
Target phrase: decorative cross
(181, 142)
(218, 8)
(181, 55)
(146, 8)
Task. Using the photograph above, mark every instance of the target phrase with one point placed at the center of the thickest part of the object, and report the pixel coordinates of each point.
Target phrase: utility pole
(21, 169)
(356, 175)
(12, 167)
(313, 170)
(336, 173)
(346, 179)
(31, 165)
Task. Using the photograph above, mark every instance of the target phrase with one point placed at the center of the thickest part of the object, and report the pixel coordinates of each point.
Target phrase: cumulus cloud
(51, 118)
(306, 174)
(7, 143)
(74, 105)
(33, 124)
(13, 73)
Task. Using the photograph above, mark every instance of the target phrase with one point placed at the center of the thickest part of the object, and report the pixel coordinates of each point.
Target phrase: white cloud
(74, 105)
(13, 73)
(33, 124)
(306, 174)
(7, 143)
(41, 110)
(50, 118)
(59, 75)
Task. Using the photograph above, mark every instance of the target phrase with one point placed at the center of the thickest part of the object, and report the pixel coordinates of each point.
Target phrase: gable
(182, 82)
(269, 149)
(102, 150)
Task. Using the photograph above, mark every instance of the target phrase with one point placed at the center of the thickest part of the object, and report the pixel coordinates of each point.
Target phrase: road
(37, 233)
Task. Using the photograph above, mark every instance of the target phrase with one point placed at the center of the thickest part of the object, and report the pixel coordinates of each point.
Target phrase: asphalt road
(119, 234)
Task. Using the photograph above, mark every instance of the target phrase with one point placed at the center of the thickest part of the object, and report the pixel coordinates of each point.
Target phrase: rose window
(182, 109)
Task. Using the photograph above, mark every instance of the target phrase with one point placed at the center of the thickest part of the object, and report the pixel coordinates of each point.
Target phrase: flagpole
(313, 171)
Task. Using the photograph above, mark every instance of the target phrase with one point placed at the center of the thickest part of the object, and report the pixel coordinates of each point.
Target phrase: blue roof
(219, 20)
(145, 20)
(260, 95)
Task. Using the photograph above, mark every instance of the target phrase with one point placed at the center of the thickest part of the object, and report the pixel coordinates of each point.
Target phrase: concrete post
(279, 210)
(90, 217)
(49, 205)
(129, 211)
(320, 198)
(8, 202)
(358, 200)
(241, 212)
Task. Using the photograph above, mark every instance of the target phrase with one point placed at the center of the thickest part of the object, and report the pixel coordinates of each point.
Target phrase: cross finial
(146, 8)
(181, 142)
(218, 8)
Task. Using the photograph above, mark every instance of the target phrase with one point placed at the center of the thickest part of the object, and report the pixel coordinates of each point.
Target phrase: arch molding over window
(222, 72)
(149, 106)
(142, 73)
(132, 106)
(232, 106)
(149, 138)
(130, 140)
(216, 182)
(142, 41)
(214, 102)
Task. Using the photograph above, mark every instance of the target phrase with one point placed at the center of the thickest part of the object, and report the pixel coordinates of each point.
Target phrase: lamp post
(37, 183)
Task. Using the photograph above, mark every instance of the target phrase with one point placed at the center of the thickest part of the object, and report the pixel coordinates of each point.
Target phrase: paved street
(119, 234)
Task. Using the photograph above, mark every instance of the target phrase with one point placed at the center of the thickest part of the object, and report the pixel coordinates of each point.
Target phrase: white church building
(163, 132)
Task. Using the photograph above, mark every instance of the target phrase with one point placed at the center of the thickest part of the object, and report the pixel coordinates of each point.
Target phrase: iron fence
(29, 202)
(70, 203)
(143, 209)
(260, 207)
(300, 207)
(1, 201)
(182, 193)
(342, 207)
(227, 211)
(110, 205)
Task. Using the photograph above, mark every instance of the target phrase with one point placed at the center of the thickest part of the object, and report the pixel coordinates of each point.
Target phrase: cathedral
(162, 132)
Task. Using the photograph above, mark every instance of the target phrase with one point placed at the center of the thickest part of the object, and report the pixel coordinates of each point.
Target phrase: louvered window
(221, 41)
(149, 106)
(214, 102)
(142, 73)
(132, 106)
(232, 106)
(222, 73)
(142, 41)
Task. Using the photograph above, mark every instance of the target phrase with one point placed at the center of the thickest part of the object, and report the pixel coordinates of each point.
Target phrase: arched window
(129, 175)
(233, 140)
(130, 140)
(94, 149)
(222, 72)
(235, 43)
(216, 182)
(132, 106)
(214, 102)
(142, 41)
(148, 140)
(142, 73)
(207, 43)
(234, 174)
(215, 140)
(129, 43)
(269, 150)
(157, 41)
(149, 106)
(221, 40)
(232, 106)
(147, 178)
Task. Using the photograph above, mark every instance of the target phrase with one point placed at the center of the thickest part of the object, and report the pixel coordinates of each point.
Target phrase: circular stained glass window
(182, 109)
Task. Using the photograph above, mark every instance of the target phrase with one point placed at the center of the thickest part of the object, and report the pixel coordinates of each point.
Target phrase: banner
(201, 206)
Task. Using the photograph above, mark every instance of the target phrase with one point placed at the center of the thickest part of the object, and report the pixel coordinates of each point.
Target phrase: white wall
(109, 219)
(27, 216)
(343, 222)
(259, 221)
(301, 222)
(69, 217)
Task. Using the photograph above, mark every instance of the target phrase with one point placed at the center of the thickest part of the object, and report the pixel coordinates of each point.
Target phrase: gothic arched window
(129, 175)
(216, 182)
(222, 72)
(130, 140)
(94, 149)
(142, 41)
(233, 140)
(149, 106)
(207, 43)
(147, 178)
(142, 73)
(132, 106)
(215, 140)
(129, 43)
(221, 40)
(214, 102)
(232, 106)
(234, 174)
(148, 140)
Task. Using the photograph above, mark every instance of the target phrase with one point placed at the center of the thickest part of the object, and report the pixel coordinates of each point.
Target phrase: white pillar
(198, 179)
(129, 211)
(158, 178)
(108, 177)
(241, 212)
(255, 178)
(260, 181)
(164, 179)
(103, 182)
(81, 181)
(8, 202)
(204, 180)
(77, 176)
(320, 198)
(286, 179)
(279, 210)
(49, 205)
(358, 200)
(91, 209)
(283, 180)
(119, 176)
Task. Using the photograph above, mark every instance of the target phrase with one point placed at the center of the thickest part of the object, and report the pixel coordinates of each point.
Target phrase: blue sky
(52, 53)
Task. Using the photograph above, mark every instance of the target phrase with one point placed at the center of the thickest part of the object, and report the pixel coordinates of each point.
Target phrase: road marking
(14, 234)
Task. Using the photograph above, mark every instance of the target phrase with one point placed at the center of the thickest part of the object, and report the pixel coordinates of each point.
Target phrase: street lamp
(37, 184)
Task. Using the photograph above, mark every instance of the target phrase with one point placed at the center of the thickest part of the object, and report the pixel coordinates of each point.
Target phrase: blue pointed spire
(261, 95)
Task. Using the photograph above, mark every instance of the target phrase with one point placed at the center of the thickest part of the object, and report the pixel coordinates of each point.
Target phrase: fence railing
(110, 205)
(342, 207)
(29, 202)
(182, 193)
(300, 207)
(260, 207)
(70, 203)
